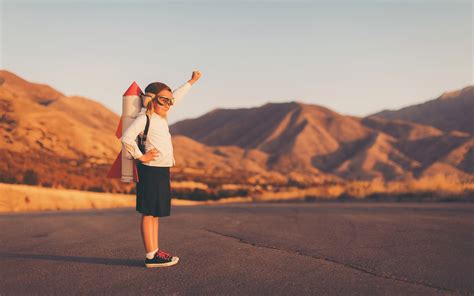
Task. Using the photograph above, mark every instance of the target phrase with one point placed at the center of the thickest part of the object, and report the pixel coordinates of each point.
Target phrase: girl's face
(162, 109)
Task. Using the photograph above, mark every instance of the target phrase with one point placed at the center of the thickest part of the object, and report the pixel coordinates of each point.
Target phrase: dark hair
(156, 87)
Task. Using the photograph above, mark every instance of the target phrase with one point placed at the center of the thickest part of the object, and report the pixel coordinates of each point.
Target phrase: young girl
(153, 188)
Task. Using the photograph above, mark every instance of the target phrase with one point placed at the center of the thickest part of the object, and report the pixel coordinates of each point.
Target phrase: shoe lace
(163, 254)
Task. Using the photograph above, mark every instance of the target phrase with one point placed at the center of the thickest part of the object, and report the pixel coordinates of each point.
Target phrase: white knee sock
(151, 254)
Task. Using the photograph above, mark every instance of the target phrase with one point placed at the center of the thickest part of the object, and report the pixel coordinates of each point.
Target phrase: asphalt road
(246, 249)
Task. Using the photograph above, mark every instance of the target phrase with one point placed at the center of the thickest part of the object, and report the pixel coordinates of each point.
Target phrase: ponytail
(149, 108)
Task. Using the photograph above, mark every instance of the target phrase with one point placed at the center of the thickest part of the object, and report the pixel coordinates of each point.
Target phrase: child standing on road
(153, 192)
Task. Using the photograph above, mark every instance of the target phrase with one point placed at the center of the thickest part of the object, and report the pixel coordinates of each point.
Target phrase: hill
(451, 111)
(53, 140)
(311, 140)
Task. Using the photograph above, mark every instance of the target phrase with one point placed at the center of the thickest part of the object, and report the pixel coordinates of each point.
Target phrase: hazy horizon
(355, 57)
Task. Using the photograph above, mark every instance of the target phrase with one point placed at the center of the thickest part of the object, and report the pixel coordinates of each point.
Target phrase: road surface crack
(347, 265)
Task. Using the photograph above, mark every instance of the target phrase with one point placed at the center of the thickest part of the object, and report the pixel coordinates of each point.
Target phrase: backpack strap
(147, 126)
(142, 138)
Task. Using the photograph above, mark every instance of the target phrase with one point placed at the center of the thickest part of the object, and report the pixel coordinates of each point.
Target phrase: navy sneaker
(161, 259)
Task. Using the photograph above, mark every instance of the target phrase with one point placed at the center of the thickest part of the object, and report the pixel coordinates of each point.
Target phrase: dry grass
(20, 198)
(24, 198)
(435, 188)
(438, 186)
(16, 198)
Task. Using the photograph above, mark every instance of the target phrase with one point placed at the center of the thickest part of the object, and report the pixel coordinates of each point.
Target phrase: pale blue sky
(355, 57)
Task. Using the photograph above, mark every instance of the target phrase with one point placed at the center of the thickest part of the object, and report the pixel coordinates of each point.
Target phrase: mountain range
(70, 142)
(451, 111)
(315, 143)
(63, 141)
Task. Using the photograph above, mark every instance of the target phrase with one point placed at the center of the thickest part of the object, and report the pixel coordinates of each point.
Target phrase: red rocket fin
(133, 90)
(118, 132)
(135, 172)
(116, 169)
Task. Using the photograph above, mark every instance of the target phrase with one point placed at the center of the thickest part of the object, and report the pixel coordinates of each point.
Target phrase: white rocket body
(131, 106)
(124, 166)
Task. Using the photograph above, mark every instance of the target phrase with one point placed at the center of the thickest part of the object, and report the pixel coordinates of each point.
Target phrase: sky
(354, 57)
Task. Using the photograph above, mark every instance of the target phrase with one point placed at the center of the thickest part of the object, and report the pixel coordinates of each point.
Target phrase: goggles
(161, 100)
(164, 100)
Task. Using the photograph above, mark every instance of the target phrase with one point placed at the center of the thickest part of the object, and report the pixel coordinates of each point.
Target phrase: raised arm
(181, 91)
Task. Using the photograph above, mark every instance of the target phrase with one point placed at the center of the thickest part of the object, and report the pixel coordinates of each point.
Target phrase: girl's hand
(195, 77)
(149, 156)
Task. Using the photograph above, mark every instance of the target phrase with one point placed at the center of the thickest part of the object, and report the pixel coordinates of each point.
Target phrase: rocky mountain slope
(314, 141)
(64, 141)
(451, 111)
(55, 140)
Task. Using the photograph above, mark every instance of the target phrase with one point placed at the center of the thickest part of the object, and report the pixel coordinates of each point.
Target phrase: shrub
(30, 177)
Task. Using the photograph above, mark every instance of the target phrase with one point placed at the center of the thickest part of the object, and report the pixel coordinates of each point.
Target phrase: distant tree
(30, 177)
(96, 189)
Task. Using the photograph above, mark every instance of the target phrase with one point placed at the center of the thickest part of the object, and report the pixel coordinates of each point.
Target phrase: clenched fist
(195, 77)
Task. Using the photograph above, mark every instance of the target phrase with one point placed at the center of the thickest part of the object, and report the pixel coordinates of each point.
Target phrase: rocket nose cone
(133, 90)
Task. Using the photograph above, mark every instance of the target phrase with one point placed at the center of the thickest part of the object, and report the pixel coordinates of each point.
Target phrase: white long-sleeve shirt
(158, 137)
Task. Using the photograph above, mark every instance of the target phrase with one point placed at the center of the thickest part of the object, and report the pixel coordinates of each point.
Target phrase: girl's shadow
(88, 260)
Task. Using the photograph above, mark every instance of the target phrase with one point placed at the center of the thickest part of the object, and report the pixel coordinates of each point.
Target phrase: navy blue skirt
(153, 190)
